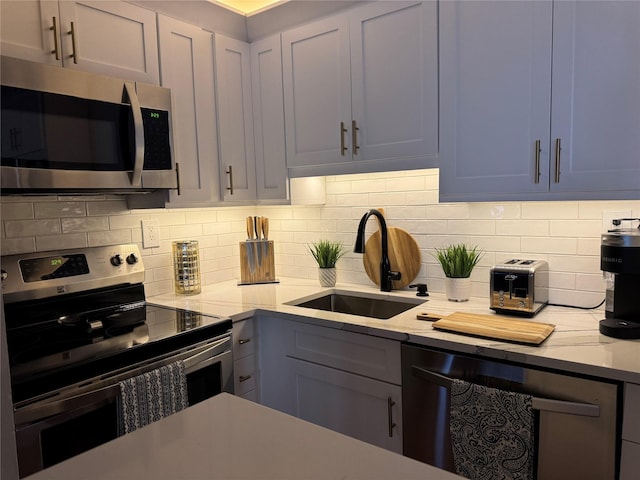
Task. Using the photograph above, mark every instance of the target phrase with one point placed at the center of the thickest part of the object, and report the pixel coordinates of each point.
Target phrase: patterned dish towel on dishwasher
(492, 432)
(151, 396)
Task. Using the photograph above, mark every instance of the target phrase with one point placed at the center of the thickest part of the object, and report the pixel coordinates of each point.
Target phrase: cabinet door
(596, 96)
(235, 120)
(495, 70)
(317, 92)
(186, 54)
(366, 409)
(394, 65)
(110, 38)
(268, 119)
(27, 30)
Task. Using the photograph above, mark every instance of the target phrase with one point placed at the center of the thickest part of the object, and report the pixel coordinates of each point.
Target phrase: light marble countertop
(575, 346)
(229, 438)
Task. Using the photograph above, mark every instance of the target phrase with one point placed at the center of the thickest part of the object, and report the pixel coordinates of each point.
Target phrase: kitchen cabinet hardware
(74, 51)
(56, 46)
(230, 173)
(343, 130)
(354, 137)
(242, 341)
(558, 149)
(178, 177)
(392, 425)
(537, 164)
(541, 404)
(244, 378)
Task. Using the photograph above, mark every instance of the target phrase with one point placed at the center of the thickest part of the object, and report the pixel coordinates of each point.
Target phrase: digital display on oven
(48, 268)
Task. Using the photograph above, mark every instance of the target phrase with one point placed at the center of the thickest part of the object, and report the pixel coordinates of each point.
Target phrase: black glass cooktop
(55, 344)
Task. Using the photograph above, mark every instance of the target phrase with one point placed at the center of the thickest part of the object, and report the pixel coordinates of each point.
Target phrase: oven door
(76, 420)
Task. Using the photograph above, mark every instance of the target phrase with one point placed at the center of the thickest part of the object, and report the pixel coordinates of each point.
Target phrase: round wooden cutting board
(404, 256)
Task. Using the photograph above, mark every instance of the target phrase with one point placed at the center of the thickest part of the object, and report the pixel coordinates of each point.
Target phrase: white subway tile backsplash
(550, 245)
(85, 224)
(550, 210)
(530, 228)
(575, 228)
(58, 242)
(26, 228)
(60, 209)
(567, 234)
(16, 211)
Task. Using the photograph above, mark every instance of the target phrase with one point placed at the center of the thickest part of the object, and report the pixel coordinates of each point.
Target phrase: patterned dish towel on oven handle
(151, 396)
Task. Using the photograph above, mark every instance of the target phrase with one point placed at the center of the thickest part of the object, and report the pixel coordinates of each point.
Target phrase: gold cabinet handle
(354, 137)
(74, 52)
(230, 173)
(536, 174)
(244, 378)
(56, 46)
(242, 341)
(342, 132)
(390, 405)
(558, 148)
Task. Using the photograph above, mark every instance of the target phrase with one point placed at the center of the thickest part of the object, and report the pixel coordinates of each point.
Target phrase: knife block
(257, 263)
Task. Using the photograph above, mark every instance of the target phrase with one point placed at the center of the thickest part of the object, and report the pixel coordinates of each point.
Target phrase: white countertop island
(228, 438)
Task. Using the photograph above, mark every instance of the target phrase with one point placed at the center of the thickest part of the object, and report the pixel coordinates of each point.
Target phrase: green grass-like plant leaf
(327, 252)
(458, 260)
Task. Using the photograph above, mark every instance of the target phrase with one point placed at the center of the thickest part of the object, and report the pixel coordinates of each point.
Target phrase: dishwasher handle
(541, 404)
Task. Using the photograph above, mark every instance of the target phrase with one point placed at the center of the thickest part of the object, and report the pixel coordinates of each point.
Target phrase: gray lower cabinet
(630, 454)
(539, 100)
(345, 381)
(245, 379)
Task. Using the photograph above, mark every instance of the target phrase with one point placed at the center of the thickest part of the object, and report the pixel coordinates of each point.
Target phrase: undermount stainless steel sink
(354, 304)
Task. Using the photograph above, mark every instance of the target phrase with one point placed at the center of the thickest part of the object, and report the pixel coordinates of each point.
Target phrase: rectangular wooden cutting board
(492, 326)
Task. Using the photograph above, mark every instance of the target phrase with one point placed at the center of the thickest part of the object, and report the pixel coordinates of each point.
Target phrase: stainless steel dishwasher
(576, 417)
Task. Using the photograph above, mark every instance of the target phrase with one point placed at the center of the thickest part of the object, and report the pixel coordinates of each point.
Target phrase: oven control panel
(45, 274)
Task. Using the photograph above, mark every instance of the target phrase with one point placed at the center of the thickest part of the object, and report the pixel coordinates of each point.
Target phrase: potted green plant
(326, 254)
(457, 262)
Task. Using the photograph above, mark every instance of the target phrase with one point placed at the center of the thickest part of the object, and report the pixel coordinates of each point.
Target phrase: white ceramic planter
(327, 277)
(457, 289)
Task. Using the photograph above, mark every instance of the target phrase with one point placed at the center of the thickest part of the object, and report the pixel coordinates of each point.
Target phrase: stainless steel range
(78, 324)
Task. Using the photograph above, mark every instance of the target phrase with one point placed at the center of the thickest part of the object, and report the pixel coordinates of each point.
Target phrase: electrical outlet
(609, 215)
(150, 233)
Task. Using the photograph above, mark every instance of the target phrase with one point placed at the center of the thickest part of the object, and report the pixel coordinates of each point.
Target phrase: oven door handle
(541, 404)
(36, 412)
(219, 347)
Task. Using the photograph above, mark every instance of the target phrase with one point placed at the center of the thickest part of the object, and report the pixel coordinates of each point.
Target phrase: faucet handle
(395, 275)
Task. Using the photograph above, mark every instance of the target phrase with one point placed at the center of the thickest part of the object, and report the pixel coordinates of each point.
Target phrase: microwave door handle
(191, 364)
(541, 404)
(138, 128)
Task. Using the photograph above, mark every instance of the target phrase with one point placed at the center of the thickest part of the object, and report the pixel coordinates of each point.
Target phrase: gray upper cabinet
(268, 120)
(235, 119)
(186, 54)
(360, 90)
(516, 126)
(109, 38)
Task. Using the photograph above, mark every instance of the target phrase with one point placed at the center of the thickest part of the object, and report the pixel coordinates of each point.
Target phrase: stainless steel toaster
(519, 287)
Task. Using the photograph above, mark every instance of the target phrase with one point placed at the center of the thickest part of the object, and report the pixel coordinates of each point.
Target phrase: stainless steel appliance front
(576, 417)
(76, 132)
(77, 325)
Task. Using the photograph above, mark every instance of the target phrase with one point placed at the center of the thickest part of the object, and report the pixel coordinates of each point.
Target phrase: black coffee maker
(620, 262)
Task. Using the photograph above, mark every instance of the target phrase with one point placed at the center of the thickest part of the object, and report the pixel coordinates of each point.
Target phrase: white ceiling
(247, 7)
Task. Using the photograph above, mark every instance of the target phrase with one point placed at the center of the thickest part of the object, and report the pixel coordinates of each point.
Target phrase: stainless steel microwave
(67, 131)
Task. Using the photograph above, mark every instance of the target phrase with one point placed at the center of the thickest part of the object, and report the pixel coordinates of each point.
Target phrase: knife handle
(250, 228)
(265, 228)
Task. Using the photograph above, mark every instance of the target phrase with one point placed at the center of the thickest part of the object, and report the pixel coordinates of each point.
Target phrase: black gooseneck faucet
(386, 275)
